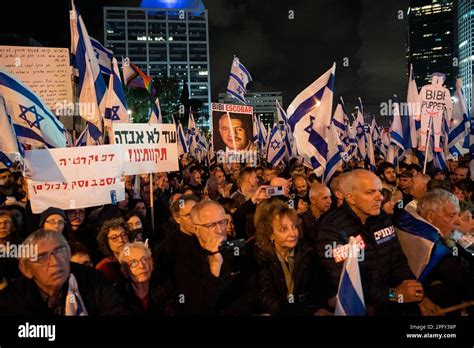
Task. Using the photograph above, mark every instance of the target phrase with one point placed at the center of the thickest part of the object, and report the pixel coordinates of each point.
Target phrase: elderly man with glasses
(51, 285)
(210, 279)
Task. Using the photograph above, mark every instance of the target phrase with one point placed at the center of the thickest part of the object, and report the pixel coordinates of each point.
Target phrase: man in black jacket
(51, 285)
(383, 267)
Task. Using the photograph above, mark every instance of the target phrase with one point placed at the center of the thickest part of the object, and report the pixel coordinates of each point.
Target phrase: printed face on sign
(233, 133)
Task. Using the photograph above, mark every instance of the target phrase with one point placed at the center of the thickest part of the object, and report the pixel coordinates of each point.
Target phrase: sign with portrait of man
(232, 127)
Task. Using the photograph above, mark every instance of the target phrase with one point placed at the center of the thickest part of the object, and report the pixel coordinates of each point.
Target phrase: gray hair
(135, 245)
(434, 200)
(316, 188)
(198, 208)
(43, 235)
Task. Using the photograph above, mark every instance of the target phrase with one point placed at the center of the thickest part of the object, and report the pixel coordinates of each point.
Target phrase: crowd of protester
(215, 242)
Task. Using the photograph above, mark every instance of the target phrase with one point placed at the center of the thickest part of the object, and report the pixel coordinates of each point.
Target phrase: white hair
(434, 200)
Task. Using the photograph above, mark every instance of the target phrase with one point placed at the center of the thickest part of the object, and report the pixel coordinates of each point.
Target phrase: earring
(271, 241)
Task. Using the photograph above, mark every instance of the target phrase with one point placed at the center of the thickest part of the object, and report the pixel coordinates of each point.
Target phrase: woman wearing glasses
(112, 238)
(53, 219)
(142, 296)
(290, 276)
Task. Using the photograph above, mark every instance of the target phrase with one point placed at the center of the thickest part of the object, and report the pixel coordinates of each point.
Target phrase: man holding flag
(435, 259)
(384, 271)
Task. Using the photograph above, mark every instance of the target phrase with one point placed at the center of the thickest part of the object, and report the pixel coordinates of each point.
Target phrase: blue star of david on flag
(275, 144)
(309, 129)
(32, 109)
(112, 113)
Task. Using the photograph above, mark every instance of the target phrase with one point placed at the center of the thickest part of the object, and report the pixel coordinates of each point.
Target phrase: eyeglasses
(54, 222)
(145, 260)
(123, 236)
(212, 225)
(74, 214)
(43, 258)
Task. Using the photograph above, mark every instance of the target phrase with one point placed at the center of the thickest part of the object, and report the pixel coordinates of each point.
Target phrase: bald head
(320, 198)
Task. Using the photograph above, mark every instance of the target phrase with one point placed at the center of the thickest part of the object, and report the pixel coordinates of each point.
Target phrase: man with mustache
(234, 133)
(385, 275)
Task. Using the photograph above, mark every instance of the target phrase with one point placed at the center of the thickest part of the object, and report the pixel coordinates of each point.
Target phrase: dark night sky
(281, 54)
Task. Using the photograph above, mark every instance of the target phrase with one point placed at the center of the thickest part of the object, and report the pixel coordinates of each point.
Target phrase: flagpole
(151, 203)
(427, 143)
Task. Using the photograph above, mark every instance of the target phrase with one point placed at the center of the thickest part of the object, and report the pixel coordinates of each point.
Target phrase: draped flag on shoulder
(104, 56)
(116, 108)
(91, 88)
(33, 122)
(350, 295)
(238, 79)
(276, 147)
(309, 116)
(421, 243)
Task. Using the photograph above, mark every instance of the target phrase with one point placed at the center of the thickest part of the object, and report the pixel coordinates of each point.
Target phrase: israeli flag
(238, 79)
(360, 133)
(340, 120)
(396, 130)
(370, 150)
(287, 135)
(334, 159)
(191, 136)
(155, 116)
(350, 296)
(92, 88)
(275, 147)
(33, 122)
(85, 138)
(8, 141)
(421, 243)
(104, 56)
(309, 116)
(460, 121)
(116, 108)
(375, 133)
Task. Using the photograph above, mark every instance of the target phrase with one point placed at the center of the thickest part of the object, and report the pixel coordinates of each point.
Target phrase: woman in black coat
(291, 278)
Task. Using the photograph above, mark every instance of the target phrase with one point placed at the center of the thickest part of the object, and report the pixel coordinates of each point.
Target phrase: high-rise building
(263, 103)
(170, 42)
(431, 47)
(465, 45)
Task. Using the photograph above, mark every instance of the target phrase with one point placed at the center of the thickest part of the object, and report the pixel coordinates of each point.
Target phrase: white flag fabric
(116, 108)
(92, 88)
(104, 56)
(33, 122)
(309, 116)
(155, 116)
(276, 147)
(350, 295)
(238, 79)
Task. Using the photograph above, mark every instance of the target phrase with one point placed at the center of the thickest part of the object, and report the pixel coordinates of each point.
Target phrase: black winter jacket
(23, 297)
(384, 264)
(309, 289)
